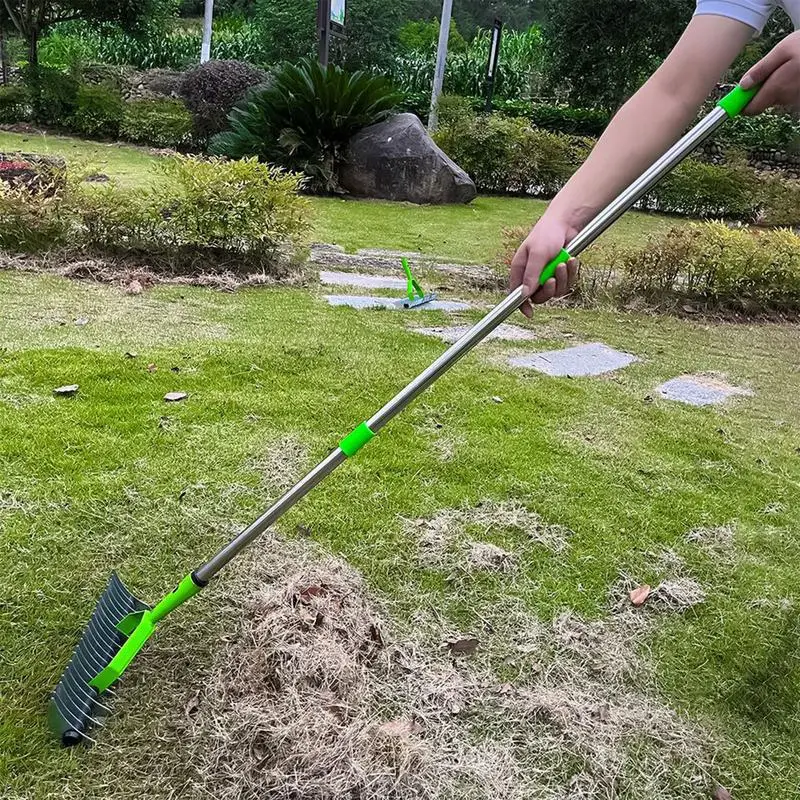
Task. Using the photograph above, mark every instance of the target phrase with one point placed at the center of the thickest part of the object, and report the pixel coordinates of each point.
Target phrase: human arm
(647, 125)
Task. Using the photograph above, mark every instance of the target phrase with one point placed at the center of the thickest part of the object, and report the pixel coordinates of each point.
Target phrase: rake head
(75, 705)
(418, 301)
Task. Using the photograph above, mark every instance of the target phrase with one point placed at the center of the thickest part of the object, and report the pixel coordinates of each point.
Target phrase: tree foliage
(473, 14)
(605, 49)
(31, 18)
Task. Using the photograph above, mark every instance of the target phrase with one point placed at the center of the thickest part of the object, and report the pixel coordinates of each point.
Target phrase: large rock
(398, 160)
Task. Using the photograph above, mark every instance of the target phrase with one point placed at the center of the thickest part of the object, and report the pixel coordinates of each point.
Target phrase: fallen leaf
(81, 321)
(721, 793)
(467, 646)
(134, 287)
(505, 688)
(497, 399)
(640, 594)
(176, 370)
(66, 391)
(151, 367)
(303, 530)
(312, 591)
(689, 309)
(131, 355)
(400, 728)
(175, 397)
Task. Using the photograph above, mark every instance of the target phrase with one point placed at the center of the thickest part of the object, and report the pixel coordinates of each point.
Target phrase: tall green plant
(305, 117)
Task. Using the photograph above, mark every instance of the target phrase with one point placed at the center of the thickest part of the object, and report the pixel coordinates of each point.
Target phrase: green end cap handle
(550, 270)
(737, 100)
(139, 627)
(360, 437)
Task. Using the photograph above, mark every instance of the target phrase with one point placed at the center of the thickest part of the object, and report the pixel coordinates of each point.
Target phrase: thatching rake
(121, 624)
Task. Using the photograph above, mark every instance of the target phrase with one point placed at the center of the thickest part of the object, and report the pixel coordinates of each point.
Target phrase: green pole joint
(360, 437)
(737, 100)
(549, 271)
(139, 627)
(413, 289)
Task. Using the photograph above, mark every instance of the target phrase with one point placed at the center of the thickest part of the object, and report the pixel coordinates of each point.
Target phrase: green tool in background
(121, 625)
(415, 296)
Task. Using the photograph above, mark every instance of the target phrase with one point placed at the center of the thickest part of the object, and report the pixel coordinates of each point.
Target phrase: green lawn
(117, 479)
(458, 233)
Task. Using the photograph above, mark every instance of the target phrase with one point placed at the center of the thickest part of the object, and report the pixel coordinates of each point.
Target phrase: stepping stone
(700, 390)
(586, 359)
(393, 303)
(364, 281)
(508, 333)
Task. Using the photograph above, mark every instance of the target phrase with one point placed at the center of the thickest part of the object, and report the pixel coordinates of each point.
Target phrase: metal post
(441, 63)
(324, 31)
(208, 20)
(494, 60)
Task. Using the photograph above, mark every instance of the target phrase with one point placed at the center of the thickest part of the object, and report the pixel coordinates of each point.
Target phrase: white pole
(441, 63)
(208, 19)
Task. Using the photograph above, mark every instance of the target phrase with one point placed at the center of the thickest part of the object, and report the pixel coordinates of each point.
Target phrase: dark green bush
(576, 121)
(14, 104)
(211, 90)
(741, 270)
(502, 154)
(695, 189)
(453, 109)
(53, 94)
(99, 112)
(305, 117)
(158, 123)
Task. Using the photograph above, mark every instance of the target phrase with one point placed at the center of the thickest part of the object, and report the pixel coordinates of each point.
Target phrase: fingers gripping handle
(549, 272)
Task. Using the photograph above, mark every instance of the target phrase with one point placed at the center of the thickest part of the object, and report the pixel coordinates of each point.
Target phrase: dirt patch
(716, 542)
(282, 463)
(444, 539)
(317, 696)
(490, 557)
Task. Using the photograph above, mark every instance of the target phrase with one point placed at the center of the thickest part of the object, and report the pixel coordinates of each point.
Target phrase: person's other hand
(779, 72)
(543, 244)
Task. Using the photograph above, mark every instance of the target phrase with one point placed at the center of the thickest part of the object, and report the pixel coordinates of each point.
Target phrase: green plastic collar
(737, 100)
(361, 436)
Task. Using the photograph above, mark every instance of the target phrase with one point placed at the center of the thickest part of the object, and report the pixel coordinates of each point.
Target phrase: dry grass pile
(454, 537)
(317, 697)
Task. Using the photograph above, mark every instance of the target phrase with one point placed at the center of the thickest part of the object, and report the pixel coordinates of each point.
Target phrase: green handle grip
(549, 271)
(737, 100)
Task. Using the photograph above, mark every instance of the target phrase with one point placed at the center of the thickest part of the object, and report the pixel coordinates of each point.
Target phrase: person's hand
(779, 72)
(543, 244)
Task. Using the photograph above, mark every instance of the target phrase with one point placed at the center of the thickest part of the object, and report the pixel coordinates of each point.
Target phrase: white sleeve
(754, 13)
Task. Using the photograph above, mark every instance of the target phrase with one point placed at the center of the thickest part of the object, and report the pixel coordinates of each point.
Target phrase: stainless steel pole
(604, 220)
(441, 64)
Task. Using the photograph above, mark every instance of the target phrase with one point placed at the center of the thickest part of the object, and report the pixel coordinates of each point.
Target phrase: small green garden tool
(121, 625)
(415, 296)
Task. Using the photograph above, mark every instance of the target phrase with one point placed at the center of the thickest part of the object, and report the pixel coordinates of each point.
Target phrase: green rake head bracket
(415, 296)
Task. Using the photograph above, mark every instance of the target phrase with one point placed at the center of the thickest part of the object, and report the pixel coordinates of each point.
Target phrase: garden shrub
(211, 90)
(203, 214)
(697, 189)
(781, 201)
(724, 268)
(208, 212)
(454, 108)
(502, 154)
(158, 123)
(99, 112)
(14, 104)
(53, 94)
(577, 121)
(305, 117)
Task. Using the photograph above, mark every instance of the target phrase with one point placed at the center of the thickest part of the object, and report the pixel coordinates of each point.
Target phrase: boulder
(398, 160)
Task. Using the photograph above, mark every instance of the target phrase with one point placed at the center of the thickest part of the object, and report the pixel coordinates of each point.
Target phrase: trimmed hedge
(99, 112)
(737, 270)
(158, 123)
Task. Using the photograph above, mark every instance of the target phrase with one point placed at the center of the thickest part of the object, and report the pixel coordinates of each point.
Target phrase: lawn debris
(66, 391)
(640, 595)
(134, 288)
(466, 646)
(281, 463)
(175, 397)
(490, 558)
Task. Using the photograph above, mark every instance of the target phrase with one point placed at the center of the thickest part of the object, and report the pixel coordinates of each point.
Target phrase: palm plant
(304, 118)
